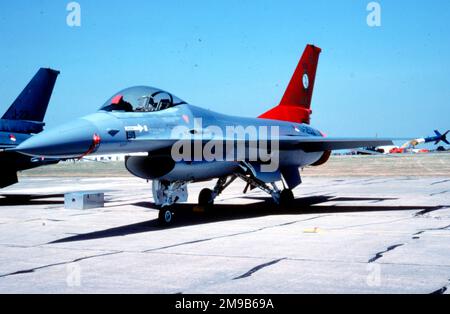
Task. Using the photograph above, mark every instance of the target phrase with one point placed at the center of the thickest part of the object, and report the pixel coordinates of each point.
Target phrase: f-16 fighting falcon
(173, 143)
(23, 119)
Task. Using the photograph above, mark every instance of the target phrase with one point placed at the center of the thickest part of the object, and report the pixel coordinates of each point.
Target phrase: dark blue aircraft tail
(24, 118)
(32, 103)
(441, 137)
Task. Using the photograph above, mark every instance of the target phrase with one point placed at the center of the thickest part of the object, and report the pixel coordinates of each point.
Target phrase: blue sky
(237, 57)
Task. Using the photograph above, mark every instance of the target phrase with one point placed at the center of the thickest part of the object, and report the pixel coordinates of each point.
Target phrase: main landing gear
(166, 194)
(281, 197)
(286, 197)
(207, 196)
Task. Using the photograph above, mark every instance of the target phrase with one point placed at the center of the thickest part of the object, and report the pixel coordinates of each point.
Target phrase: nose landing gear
(166, 194)
(165, 217)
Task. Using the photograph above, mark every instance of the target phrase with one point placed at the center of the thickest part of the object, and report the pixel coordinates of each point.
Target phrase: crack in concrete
(44, 220)
(437, 229)
(416, 235)
(32, 270)
(429, 210)
(231, 235)
(16, 246)
(439, 182)
(440, 291)
(83, 214)
(439, 193)
(357, 181)
(259, 267)
(443, 289)
(381, 254)
(370, 224)
(376, 182)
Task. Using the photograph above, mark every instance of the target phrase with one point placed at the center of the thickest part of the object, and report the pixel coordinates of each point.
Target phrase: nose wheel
(165, 217)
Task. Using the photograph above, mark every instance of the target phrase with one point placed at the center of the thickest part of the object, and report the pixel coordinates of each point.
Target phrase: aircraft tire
(165, 217)
(205, 198)
(286, 197)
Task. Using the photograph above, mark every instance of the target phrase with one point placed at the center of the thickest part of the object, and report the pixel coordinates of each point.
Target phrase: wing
(307, 144)
(318, 144)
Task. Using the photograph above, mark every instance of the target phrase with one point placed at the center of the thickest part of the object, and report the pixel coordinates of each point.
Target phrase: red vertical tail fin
(295, 106)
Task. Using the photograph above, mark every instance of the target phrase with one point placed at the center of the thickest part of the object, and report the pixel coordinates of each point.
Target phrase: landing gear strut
(253, 182)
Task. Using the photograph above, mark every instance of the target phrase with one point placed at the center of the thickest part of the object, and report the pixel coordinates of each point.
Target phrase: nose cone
(71, 140)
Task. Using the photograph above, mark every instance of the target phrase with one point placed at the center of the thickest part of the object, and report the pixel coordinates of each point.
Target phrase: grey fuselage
(153, 132)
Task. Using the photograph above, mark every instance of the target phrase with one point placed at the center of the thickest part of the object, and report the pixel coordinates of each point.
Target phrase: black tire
(286, 197)
(165, 217)
(205, 198)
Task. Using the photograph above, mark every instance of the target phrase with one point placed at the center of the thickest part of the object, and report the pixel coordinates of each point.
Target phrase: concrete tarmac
(341, 235)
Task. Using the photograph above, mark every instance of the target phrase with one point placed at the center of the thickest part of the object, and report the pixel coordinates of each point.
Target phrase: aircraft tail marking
(295, 106)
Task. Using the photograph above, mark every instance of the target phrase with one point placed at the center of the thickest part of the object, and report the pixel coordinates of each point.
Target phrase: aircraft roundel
(305, 80)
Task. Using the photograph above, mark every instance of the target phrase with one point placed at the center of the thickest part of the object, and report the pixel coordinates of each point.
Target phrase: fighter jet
(23, 119)
(173, 143)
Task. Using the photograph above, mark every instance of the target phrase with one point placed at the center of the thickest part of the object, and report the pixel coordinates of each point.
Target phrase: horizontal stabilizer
(23, 127)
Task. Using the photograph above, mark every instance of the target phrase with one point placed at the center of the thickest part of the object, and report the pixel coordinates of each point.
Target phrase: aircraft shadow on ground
(185, 215)
(26, 199)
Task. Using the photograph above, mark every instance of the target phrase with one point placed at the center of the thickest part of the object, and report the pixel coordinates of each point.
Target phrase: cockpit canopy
(141, 99)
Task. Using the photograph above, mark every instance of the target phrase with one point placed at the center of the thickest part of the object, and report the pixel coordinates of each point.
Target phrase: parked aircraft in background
(23, 119)
(171, 142)
(437, 138)
(409, 146)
